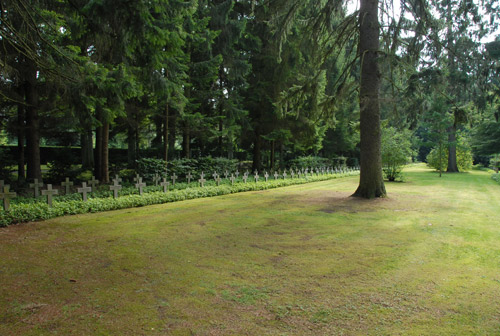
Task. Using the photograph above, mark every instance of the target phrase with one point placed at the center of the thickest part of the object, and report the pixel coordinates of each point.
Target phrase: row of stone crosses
(91, 185)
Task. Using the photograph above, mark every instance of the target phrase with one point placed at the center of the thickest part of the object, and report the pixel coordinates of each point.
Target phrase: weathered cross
(218, 179)
(215, 175)
(37, 185)
(93, 183)
(49, 193)
(226, 174)
(189, 177)
(67, 184)
(298, 173)
(156, 179)
(232, 178)
(256, 177)
(245, 177)
(165, 184)
(139, 185)
(84, 190)
(284, 174)
(276, 175)
(136, 178)
(266, 175)
(6, 195)
(292, 173)
(202, 179)
(115, 187)
(118, 178)
(174, 178)
(237, 173)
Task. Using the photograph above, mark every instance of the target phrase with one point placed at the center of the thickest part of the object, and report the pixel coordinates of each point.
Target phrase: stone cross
(292, 173)
(136, 178)
(226, 174)
(115, 187)
(118, 178)
(165, 184)
(266, 175)
(284, 174)
(174, 178)
(139, 185)
(2, 184)
(93, 183)
(84, 190)
(49, 193)
(298, 173)
(37, 185)
(156, 179)
(237, 173)
(218, 179)
(276, 175)
(189, 177)
(306, 171)
(245, 177)
(232, 178)
(66, 184)
(256, 177)
(202, 179)
(215, 175)
(6, 195)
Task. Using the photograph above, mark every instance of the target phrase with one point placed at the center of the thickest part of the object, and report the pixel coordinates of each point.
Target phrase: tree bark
(371, 183)
(257, 145)
(87, 151)
(21, 173)
(165, 134)
(98, 152)
(452, 150)
(186, 141)
(33, 127)
(272, 154)
(104, 168)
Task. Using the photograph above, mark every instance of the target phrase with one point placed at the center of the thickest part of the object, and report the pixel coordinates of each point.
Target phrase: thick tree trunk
(21, 174)
(32, 128)
(186, 141)
(104, 168)
(87, 151)
(257, 146)
(131, 147)
(452, 150)
(172, 135)
(371, 183)
(98, 152)
(272, 154)
(165, 134)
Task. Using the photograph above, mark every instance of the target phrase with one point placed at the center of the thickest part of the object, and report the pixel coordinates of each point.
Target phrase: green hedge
(26, 212)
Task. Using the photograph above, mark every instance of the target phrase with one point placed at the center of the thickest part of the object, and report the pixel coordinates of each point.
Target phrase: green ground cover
(299, 260)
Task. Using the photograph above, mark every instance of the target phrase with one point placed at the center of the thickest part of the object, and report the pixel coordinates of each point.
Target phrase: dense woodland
(261, 81)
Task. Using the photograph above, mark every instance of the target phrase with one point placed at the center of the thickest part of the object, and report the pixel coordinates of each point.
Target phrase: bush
(304, 162)
(34, 209)
(396, 152)
(464, 159)
(147, 168)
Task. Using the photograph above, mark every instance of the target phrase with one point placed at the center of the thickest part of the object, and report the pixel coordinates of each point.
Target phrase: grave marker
(276, 175)
(6, 195)
(67, 184)
(49, 193)
(139, 185)
(165, 184)
(156, 179)
(174, 177)
(256, 177)
(232, 178)
(237, 173)
(245, 177)
(202, 179)
(36, 185)
(84, 190)
(292, 173)
(189, 177)
(217, 180)
(284, 174)
(215, 175)
(93, 183)
(266, 175)
(115, 187)
(226, 174)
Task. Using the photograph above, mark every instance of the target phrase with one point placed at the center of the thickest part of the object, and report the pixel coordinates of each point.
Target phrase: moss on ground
(300, 260)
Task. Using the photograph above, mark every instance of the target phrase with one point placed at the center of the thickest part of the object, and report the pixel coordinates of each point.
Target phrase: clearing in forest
(300, 260)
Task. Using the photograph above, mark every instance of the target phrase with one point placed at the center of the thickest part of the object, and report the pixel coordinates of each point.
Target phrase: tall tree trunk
(371, 183)
(452, 150)
(104, 164)
(131, 147)
(21, 174)
(272, 154)
(87, 152)
(32, 127)
(172, 135)
(186, 141)
(98, 150)
(165, 133)
(257, 146)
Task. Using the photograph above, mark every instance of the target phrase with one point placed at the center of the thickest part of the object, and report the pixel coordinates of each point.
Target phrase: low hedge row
(27, 212)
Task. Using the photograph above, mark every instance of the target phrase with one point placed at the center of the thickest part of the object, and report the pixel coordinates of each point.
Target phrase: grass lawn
(300, 260)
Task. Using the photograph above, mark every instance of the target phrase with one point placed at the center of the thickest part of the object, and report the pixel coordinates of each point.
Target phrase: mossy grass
(301, 260)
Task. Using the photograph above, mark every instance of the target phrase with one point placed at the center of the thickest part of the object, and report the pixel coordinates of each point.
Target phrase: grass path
(300, 260)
